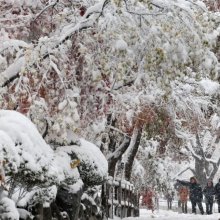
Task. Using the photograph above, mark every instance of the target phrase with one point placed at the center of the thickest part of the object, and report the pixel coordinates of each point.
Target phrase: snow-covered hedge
(27, 155)
(34, 162)
(93, 166)
(8, 210)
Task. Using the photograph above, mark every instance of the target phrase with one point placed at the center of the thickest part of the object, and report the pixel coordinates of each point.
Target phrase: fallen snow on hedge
(27, 154)
(93, 166)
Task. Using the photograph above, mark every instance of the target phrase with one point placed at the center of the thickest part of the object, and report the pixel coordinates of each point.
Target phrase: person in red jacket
(148, 199)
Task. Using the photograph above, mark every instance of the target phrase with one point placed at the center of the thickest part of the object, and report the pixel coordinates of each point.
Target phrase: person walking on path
(156, 199)
(195, 194)
(217, 194)
(183, 196)
(209, 192)
(148, 199)
(169, 197)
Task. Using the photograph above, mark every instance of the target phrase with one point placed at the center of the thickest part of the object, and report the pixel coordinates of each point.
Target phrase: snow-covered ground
(171, 215)
(164, 214)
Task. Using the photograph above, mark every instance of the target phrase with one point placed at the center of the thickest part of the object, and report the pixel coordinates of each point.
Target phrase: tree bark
(38, 211)
(116, 155)
(131, 155)
(199, 170)
(47, 214)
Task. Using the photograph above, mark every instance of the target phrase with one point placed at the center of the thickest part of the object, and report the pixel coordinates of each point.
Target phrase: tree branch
(67, 32)
(187, 168)
(43, 10)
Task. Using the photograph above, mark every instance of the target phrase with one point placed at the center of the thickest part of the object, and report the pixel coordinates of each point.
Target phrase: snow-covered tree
(106, 71)
(33, 167)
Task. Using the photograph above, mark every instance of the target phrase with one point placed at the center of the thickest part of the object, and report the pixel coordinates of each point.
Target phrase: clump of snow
(93, 166)
(91, 153)
(24, 214)
(138, 168)
(121, 45)
(62, 105)
(12, 70)
(94, 9)
(61, 166)
(76, 187)
(8, 209)
(215, 121)
(209, 86)
(26, 153)
(21, 143)
(130, 115)
(99, 126)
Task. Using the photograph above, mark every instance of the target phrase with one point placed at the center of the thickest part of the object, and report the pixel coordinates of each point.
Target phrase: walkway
(164, 214)
(171, 215)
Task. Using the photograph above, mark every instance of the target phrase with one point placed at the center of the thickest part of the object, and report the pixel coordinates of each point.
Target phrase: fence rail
(122, 199)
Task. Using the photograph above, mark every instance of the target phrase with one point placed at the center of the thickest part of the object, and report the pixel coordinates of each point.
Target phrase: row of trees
(120, 74)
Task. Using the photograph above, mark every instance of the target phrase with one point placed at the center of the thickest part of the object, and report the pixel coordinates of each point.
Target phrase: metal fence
(123, 199)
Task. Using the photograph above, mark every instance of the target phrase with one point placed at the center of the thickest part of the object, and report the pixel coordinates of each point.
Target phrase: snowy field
(171, 215)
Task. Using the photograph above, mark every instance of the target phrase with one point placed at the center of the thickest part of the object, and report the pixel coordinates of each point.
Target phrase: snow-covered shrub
(93, 167)
(36, 170)
(8, 210)
(24, 214)
(28, 156)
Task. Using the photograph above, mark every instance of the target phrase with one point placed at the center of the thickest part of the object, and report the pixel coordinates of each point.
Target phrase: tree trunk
(199, 170)
(38, 211)
(47, 215)
(131, 155)
(68, 201)
(55, 211)
(116, 155)
(104, 203)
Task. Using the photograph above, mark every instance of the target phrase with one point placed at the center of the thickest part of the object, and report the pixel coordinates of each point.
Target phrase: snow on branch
(131, 145)
(13, 43)
(116, 129)
(43, 10)
(191, 150)
(184, 170)
(97, 8)
(85, 23)
(118, 151)
(12, 72)
(189, 147)
(162, 12)
(214, 162)
(70, 29)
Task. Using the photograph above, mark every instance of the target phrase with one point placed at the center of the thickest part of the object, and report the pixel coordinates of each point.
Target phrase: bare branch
(148, 14)
(118, 152)
(187, 168)
(43, 10)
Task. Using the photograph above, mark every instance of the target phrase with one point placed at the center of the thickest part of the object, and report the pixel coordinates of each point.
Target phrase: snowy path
(171, 215)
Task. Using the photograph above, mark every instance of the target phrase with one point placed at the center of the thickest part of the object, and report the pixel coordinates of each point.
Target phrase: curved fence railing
(122, 199)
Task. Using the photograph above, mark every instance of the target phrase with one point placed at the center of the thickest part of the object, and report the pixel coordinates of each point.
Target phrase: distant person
(148, 199)
(156, 199)
(183, 198)
(209, 192)
(177, 187)
(217, 194)
(169, 197)
(196, 194)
